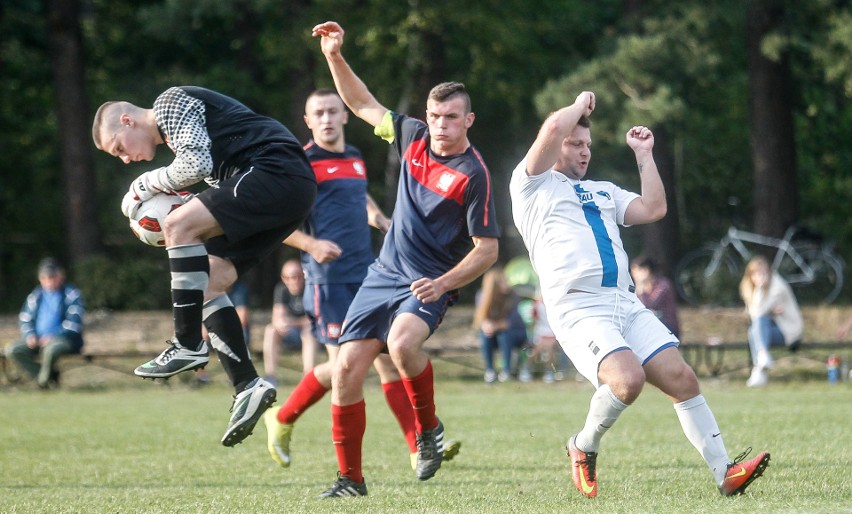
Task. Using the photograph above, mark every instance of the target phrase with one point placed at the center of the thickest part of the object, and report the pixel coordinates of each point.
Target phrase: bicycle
(710, 275)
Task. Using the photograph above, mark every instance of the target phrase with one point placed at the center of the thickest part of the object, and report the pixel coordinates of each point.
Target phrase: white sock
(604, 409)
(764, 359)
(700, 427)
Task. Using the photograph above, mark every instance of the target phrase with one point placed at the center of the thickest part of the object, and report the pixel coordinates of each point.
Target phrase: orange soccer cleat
(740, 474)
(583, 469)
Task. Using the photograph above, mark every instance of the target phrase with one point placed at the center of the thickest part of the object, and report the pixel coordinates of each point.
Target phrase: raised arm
(351, 88)
(651, 205)
(545, 150)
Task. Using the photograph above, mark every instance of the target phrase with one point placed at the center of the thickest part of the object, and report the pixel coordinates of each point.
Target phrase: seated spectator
(656, 292)
(290, 327)
(774, 314)
(51, 323)
(499, 323)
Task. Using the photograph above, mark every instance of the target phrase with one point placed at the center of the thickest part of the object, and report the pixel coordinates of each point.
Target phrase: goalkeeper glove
(144, 187)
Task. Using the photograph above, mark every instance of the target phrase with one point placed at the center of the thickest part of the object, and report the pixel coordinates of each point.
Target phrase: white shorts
(590, 326)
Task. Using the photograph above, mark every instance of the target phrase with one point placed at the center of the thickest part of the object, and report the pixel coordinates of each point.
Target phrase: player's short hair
(323, 91)
(103, 121)
(447, 90)
(584, 121)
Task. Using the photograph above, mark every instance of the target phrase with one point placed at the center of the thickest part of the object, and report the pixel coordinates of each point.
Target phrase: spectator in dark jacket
(51, 323)
(656, 292)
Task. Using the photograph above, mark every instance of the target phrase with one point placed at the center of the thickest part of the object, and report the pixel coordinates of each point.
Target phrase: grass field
(148, 448)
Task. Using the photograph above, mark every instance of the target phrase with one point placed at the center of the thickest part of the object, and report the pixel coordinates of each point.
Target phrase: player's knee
(175, 228)
(628, 385)
(402, 354)
(345, 378)
(686, 382)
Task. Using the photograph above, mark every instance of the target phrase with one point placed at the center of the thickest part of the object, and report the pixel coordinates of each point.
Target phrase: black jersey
(213, 136)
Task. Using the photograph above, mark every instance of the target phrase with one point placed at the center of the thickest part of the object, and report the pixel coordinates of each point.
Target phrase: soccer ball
(147, 223)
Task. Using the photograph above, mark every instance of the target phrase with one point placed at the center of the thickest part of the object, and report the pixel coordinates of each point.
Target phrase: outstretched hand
(640, 138)
(331, 34)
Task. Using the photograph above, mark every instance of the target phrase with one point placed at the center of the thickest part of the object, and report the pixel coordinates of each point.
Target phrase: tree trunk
(82, 226)
(773, 151)
(424, 69)
(660, 240)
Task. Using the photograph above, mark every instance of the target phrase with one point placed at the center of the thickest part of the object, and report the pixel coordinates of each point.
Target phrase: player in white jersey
(570, 228)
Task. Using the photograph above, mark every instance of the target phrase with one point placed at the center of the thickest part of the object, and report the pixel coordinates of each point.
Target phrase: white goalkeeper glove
(144, 187)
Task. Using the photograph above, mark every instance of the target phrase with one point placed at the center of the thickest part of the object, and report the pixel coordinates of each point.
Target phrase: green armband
(385, 129)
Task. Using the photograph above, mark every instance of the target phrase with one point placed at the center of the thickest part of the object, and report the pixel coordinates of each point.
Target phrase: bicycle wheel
(699, 285)
(828, 275)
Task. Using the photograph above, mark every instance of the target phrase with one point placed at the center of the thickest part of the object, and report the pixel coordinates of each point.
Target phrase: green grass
(146, 448)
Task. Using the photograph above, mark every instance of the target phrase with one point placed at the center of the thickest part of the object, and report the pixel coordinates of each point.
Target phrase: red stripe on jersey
(488, 183)
(433, 175)
(333, 169)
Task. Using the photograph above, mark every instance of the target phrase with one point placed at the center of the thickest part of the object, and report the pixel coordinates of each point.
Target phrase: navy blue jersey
(339, 215)
(441, 203)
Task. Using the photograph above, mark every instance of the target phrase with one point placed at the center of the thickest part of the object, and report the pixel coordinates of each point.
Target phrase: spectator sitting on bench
(51, 323)
(774, 314)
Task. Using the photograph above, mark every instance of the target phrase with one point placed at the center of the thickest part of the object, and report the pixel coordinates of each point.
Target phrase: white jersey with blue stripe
(570, 229)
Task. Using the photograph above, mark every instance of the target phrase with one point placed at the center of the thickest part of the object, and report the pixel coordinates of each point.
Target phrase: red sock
(308, 392)
(398, 402)
(348, 423)
(421, 394)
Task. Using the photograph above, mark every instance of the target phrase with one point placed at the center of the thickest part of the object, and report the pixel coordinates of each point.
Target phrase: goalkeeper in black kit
(261, 189)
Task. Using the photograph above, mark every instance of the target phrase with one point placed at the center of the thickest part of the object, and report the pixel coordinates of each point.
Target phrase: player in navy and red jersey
(336, 253)
(443, 235)
(263, 190)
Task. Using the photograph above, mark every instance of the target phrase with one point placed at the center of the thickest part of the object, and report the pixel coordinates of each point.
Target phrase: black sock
(226, 336)
(190, 271)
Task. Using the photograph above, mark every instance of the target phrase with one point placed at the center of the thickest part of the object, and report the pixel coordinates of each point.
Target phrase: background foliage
(681, 68)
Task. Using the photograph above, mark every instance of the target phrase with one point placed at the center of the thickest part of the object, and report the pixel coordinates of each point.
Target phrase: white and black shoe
(249, 405)
(345, 486)
(175, 359)
(430, 452)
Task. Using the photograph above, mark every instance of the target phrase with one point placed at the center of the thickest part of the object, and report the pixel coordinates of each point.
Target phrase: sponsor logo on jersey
(359, 168)
(605, 195)
(585, 196)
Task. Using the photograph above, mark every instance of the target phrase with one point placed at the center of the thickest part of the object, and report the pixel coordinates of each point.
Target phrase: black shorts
(258, 208)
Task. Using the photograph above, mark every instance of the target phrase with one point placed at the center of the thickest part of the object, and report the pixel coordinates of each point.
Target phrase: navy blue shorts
(326, 306)
(381, 298)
